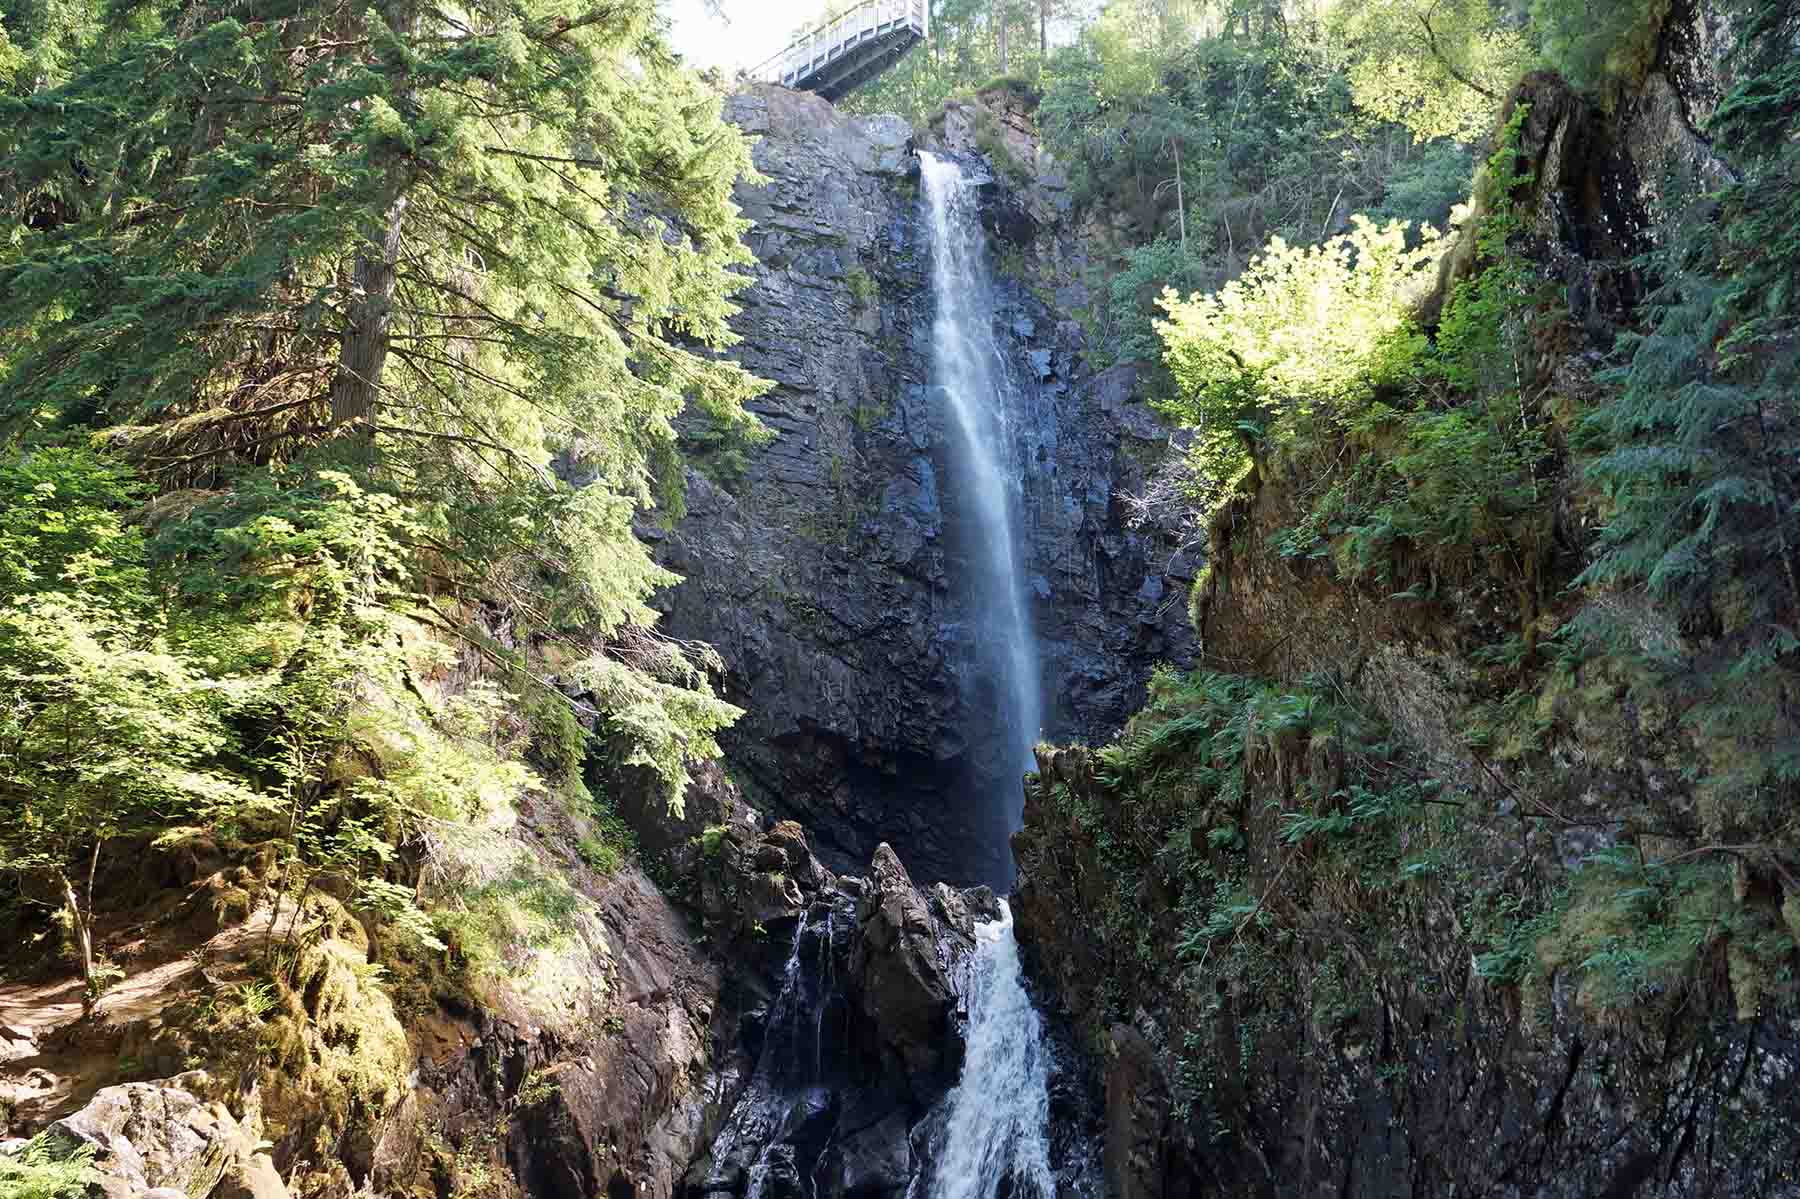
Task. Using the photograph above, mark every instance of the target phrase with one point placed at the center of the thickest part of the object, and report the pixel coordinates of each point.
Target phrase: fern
(1699, 465)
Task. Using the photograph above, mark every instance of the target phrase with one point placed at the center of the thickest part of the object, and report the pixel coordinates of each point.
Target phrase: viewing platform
(842, 55)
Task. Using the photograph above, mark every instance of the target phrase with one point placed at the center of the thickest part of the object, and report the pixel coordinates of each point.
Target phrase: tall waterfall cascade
(996, 1138)
(970, 371)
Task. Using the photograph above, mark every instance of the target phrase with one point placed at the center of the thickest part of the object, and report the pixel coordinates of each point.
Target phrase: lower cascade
(997, 1118)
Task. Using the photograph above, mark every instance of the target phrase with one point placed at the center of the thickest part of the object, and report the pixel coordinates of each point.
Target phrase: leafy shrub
(1305, 334)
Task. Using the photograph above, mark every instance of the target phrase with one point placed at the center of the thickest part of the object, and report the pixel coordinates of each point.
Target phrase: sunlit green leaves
(1302, 329)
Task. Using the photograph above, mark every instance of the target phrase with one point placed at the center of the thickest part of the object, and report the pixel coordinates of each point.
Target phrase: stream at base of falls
(997, 1118)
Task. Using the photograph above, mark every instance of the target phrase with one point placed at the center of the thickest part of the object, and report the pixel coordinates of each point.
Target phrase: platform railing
(831, 41)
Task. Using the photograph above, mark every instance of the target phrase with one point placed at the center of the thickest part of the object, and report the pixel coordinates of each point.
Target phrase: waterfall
(996, 1133)
(971, 373)
(996, 1120)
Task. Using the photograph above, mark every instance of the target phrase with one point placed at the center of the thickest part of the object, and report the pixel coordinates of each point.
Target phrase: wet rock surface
(822, 564)
(852, 1012)
(847, 1033)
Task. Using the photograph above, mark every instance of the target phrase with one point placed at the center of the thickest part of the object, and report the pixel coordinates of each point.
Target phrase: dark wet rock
(823, 569)
(853, 1027)
(876, 1163)
(1425, 1078)
(906, 992)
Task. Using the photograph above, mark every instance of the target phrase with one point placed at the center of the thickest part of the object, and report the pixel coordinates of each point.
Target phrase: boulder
(903, 986)
(149, 1136)
(876, 1163)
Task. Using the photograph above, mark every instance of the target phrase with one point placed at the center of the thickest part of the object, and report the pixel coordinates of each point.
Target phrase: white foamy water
(999, 1113)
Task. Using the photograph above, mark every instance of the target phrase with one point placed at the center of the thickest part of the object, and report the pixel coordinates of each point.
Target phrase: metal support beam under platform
(842, 55)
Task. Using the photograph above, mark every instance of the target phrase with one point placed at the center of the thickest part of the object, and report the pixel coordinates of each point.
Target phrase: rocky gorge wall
(824, 565)
(1327, 923)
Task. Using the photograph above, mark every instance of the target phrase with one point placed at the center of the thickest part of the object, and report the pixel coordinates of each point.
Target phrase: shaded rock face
(826, 569)
(614, 1102)
(906, 994)
(1365, 1056)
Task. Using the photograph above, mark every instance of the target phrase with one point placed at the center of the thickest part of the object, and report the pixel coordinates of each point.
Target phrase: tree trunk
(81, 925)
(1180, 199)
(1043, 31)
(365, 345)
(1000, 24)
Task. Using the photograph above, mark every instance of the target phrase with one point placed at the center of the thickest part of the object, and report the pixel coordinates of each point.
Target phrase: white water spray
(996, 1139)
(999, 1112)
(971, 371)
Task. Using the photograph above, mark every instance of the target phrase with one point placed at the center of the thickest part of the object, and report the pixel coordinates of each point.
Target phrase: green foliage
(1304, 336)
(334, 289)
(1599, 47)
(1311, 349)
(1237, 833)
(1439, 67)
(256, 657)
(1148, 272)
(106, 729)
(967, 53)
(368, 271)
(61, 529)
(47, 1167)
(1263, 133)
(863, 291)
(612, 842)
(1697, 466)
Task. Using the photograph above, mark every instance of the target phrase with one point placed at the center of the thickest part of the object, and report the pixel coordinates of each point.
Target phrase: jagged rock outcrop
(849, 1032)
(821, 565)
(907, 994)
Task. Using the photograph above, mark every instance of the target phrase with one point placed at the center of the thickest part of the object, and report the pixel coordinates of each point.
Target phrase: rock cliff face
(1278, 1009)
(1346, 1044)
(823, 565)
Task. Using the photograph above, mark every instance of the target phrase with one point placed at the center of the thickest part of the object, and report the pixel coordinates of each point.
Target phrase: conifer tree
(1699, 467)
(444, 250)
